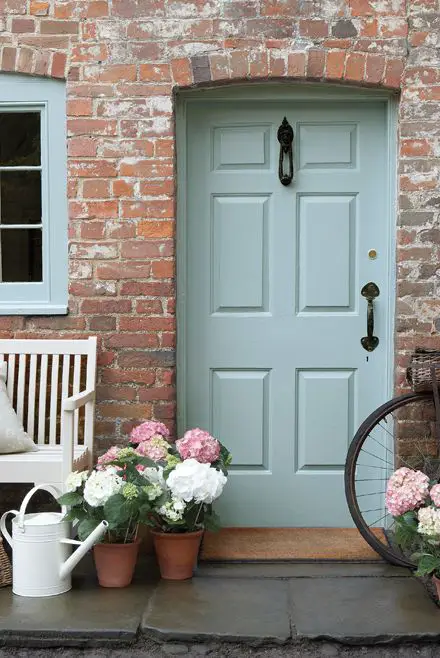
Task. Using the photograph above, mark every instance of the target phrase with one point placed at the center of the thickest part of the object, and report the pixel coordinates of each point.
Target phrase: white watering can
(41, 548)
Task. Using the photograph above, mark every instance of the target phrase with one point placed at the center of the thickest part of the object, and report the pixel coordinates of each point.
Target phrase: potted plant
(414, 502)
(187, 477)
(117, 491)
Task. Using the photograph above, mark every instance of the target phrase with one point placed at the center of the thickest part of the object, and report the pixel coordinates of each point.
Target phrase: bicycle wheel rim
(373, 421)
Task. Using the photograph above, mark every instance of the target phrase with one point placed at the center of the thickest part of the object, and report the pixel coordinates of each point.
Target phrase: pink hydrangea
(155, 448)
(145, 431)
(107, 457)
(200, 445)
(406, 490)
(435, 494)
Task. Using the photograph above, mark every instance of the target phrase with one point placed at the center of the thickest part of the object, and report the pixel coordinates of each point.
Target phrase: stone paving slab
(301, 570)
(87, 612)
(237, 609)
(364, 610)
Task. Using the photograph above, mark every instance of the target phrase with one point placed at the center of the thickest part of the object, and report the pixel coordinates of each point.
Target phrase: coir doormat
(308, 544)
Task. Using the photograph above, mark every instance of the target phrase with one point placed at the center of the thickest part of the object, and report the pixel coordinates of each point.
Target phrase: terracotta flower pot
(436, 582)
(177, 553)
(115, 563)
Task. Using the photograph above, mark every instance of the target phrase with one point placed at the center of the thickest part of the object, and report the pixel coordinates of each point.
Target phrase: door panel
(239, 226)
(322, 221)
(274, 316)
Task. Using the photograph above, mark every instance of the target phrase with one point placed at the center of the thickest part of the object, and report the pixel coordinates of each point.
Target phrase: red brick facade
(122, 59)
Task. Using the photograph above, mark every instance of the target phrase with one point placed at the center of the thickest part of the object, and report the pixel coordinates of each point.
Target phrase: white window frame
(21, 93)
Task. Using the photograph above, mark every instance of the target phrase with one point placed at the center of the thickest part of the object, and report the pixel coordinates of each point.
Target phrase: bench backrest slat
(11, 374)
(31, 395)
(42, 399)
(20, 390)
(54, 399)
(76, 387)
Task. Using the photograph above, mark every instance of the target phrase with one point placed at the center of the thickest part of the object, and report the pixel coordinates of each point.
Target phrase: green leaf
(427, 564)
(212, 522)
(144, 511)
(194, 513)
(116, 510)
(225, 455)
(164, 498)
(405, 531)
(70, 499)
(86, 527)
(76, 514)
(410, 519)
(146, 461)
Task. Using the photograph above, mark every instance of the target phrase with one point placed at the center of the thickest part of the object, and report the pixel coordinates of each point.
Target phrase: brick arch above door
(32, 61)
(359, 68)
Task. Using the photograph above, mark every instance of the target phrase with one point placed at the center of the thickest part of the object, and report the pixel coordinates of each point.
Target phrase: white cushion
(13, 438)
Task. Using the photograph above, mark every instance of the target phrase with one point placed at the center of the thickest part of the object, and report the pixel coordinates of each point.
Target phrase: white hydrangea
(75, 480)
(192, 480)
(155, 476)
(429, 521)
(173, 510)
(101, 485)
(179, 505)
(154, 491)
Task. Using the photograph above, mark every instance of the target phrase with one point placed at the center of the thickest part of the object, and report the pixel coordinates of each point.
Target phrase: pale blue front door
(274, 366)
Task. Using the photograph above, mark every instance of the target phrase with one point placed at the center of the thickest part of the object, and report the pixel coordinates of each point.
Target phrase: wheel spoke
(377, 457)
(370, 479)
(386, 430)
(382, 517)
(382, 446)
(382, 468)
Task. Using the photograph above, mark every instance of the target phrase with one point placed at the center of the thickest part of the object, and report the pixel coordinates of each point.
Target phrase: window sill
(33, 309)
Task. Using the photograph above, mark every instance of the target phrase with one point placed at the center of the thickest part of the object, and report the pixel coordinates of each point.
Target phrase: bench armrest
(78, 400)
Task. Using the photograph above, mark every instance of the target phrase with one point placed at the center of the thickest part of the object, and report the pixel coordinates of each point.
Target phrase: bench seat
(44, 465)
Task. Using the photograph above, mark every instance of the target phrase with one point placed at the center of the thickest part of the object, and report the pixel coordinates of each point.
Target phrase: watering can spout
(82, 549)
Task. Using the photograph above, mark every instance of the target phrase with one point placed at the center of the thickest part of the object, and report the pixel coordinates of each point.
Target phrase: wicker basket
(5, 567)
(424, 370)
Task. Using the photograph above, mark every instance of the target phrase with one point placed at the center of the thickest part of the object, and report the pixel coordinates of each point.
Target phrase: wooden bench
(52, 387)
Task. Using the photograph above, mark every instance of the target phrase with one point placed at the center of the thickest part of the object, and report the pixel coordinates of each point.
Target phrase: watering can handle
(3, 530)
(45, 487)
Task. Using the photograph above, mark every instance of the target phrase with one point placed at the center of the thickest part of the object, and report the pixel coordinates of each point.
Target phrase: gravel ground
(149, 649)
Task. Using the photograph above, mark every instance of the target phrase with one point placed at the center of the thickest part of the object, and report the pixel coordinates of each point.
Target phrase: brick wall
(122, 59)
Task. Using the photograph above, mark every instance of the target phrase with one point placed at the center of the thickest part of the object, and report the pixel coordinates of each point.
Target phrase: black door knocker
(285, 138)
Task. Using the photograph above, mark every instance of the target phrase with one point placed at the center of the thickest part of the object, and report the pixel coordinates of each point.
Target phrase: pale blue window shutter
(33, 196)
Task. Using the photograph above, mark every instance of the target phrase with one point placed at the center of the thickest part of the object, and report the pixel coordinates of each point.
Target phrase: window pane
(19, 139)
(21, 255)
(20, 197)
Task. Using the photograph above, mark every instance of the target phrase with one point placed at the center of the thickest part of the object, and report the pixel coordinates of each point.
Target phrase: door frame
(276, 92)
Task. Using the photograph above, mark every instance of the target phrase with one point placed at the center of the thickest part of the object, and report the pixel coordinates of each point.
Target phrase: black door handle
(370, 291)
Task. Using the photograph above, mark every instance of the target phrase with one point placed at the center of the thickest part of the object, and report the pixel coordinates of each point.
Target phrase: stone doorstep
(255, 604)
(350, 609)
